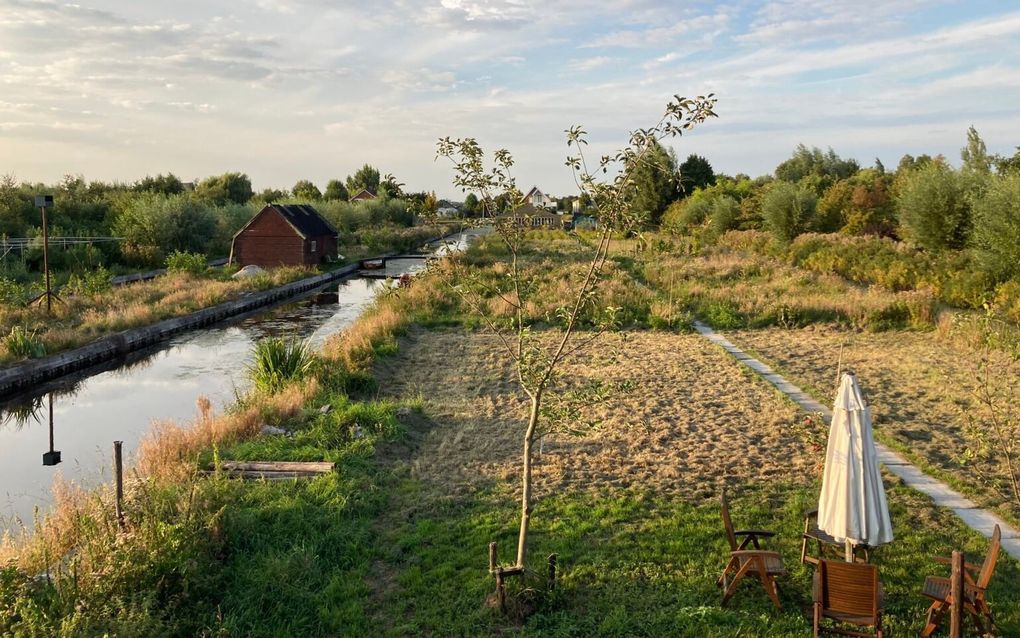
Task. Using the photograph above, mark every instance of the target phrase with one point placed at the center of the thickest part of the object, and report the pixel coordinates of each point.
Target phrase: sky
(308, 89)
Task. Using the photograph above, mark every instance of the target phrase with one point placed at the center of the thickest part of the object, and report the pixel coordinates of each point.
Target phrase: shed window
(314, 244)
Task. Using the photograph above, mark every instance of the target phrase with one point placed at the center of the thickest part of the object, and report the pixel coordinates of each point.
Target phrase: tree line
(161, 214)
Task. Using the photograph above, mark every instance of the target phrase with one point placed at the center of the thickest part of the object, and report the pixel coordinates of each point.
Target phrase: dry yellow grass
(692, 422)
(915, 381)
(82, 319)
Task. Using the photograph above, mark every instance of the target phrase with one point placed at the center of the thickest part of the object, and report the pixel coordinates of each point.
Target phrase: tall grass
(23, 343)
(278, 361)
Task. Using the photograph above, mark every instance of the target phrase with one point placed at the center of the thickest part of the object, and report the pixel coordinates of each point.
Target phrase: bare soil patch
(692, 421)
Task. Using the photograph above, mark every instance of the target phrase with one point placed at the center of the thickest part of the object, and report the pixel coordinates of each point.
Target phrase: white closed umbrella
(852, 507)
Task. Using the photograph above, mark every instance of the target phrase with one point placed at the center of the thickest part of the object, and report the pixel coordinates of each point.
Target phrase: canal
(90, 412)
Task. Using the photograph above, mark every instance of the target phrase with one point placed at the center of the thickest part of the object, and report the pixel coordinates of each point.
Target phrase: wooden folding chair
(826, 541)
(847, 593)
(765, 565)
(976, 580)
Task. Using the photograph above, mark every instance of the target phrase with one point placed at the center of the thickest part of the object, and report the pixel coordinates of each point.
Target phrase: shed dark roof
(305, 219)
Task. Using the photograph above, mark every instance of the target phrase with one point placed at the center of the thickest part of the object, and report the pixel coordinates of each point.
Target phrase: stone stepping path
(978, 519)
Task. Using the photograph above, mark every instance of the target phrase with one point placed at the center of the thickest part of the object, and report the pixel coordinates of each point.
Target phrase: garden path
(975, 517)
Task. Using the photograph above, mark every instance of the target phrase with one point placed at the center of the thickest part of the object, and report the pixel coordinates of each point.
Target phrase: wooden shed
(285, 234)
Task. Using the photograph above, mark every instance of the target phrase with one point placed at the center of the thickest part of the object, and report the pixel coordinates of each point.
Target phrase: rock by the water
(248, 272)
(272, 430)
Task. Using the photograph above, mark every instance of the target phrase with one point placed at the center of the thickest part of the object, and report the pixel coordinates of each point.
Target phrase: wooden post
(552, 572)
(956, 596)
(492, 557)
(500, 590)
(118, 468)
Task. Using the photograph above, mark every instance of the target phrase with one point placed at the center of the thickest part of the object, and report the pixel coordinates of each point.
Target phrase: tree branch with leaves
(538, 355)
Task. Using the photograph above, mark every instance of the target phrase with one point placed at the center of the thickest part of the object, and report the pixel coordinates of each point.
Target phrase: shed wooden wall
(270, 241)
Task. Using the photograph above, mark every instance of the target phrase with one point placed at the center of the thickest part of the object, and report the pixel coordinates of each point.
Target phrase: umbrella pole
(849, 551)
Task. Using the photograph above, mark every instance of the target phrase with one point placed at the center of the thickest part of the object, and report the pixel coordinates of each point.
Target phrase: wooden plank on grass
(314, 467)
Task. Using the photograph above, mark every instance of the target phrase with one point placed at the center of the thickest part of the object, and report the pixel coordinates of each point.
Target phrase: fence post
(956, 595)
(118, 468)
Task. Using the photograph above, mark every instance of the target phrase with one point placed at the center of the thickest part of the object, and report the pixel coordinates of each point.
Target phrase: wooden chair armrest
(971, 567)
(755, 552)
(811, 514)
(754, 532)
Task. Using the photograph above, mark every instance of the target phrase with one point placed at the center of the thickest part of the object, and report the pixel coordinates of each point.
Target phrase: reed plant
(23, 343)
(278, 361)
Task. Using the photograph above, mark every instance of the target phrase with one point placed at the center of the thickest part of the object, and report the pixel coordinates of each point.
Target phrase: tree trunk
(529, 440)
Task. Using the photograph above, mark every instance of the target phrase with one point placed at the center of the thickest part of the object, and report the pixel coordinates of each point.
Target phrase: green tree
(304, 189)
(269, 195)
(389, 188)
(225, 188)
(996, 235)
(366, 177)
(168, 184)
(336, 191)
(932, 206)
(1006, 165)
(471, 205)
(788, 209)
(155, 225)
(695, 172)
(812, 161)
(975, 155)
(652, 184)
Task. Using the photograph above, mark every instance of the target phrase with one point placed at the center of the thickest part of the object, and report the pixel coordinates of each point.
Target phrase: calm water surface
(121, 404)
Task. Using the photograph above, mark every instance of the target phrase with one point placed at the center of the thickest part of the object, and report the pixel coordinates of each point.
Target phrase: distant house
(538, 199)
(362, 195)
(447, 211)
(285, 234)
(535, 217)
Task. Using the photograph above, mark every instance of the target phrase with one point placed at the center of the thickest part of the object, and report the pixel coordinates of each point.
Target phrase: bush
(724, 216)
(154, 225)
(183, 261)
(23, 343)
(91, 282)
(933, 207)
(996, 235)
(12, 293)
(788, 209)
(278, 361)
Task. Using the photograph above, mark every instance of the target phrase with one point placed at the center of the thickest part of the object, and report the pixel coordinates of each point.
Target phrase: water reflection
(120, 403)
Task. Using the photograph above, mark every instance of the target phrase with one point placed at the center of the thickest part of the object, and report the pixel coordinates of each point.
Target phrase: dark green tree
(225, 188)
(1007, 165)
(471, 205)
(695, 172)
(366, 177)
(336, 191)
(304, 189)
(390, 188)
(168, 184)
(653, 183)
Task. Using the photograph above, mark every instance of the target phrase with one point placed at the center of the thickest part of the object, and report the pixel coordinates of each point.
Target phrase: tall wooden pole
(46, 259)
(118, 469)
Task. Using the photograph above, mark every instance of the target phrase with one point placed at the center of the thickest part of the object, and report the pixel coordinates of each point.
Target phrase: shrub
(90, 282)
(996, 235)
(11, 292)
(788, 209)
(23, 343)
(724, 216)
(154, 224)
(277, 361)
(183, 261)
(933, 207)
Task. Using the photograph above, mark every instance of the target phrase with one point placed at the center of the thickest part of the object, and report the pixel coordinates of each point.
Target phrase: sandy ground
(917, 384)
(691, 421)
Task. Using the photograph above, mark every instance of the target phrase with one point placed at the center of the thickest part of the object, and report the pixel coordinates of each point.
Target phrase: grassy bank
(422, 424)
(83, 318)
